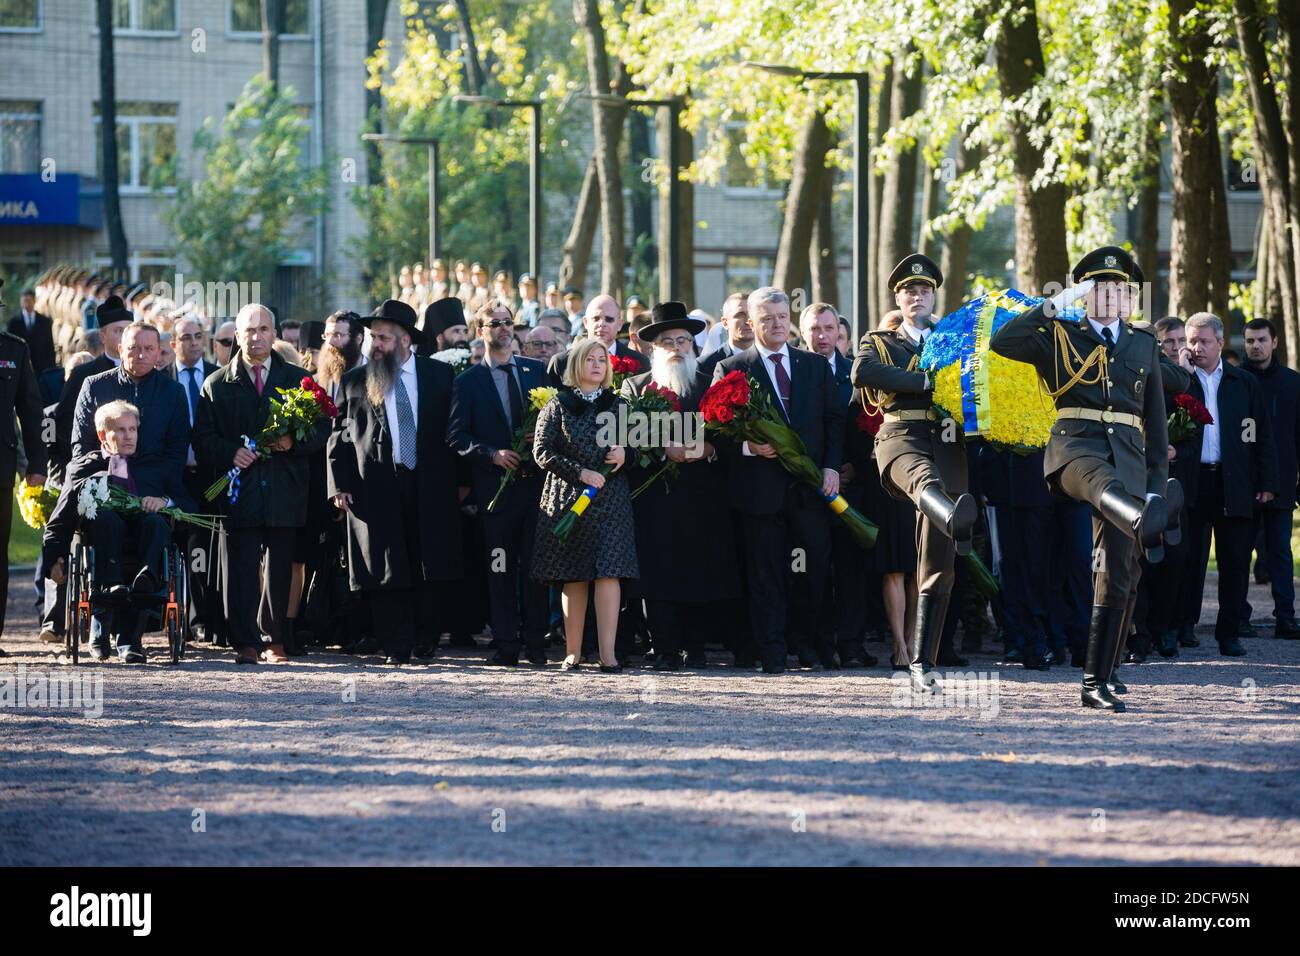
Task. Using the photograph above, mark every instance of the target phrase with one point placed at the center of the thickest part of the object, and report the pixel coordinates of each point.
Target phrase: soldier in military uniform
(19, 401)
(921, 456)
(1109, 443)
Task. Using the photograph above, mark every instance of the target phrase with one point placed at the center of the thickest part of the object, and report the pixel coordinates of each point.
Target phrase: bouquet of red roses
(655, 399)
(735, 405)
(623, 367)
(1188, 415)
(296, 414)
(868, 421)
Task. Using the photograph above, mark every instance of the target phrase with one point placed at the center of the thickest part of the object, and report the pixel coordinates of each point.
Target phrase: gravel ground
(460, 763)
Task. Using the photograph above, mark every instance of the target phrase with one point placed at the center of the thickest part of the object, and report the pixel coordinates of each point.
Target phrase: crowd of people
(373, 532)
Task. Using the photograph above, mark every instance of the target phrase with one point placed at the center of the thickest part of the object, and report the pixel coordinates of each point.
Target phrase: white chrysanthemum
(452, 356)
(87, 505)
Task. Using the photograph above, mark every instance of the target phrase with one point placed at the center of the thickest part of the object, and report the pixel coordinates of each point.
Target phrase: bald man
(602, 320)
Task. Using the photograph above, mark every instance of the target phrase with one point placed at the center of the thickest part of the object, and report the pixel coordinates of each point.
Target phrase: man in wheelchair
(118, 540)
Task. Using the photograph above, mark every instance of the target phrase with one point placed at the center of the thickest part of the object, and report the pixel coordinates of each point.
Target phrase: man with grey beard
(393, 474)
(686, 554)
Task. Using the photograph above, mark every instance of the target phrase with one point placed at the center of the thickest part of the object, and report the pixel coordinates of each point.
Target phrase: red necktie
(257, 378)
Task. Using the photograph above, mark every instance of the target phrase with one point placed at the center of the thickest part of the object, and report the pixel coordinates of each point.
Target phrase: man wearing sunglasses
(223, 343)
(603, 320)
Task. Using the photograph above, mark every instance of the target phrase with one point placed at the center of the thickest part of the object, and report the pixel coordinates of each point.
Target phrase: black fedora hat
(399, 313)
(112, 310)
(670, 315)
(443, 314)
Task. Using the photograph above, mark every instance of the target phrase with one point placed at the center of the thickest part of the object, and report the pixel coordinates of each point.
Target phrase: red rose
(869, 421)
(1195, 410)
(622, 365)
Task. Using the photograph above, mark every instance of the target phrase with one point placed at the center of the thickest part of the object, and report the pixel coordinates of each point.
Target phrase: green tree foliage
(247, 213)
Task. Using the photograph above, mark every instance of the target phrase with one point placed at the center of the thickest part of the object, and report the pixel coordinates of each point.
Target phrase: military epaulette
(1149, 332)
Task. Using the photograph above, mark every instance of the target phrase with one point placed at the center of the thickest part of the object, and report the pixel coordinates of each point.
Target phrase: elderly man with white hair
(262, 518)
(779, 514)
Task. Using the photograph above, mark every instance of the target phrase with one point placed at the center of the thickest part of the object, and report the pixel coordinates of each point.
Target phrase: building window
(20, 14)
(740, 177)
(20, 136)
(745, 273)
(144, 16)
(146, 145)
(246, 17)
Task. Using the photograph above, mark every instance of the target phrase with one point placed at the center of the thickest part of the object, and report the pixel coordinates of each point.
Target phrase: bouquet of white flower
(458, 359)
(97, 493)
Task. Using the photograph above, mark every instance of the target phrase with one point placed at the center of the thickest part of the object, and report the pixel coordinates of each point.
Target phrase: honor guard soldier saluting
(921, 455)
(1109, 444)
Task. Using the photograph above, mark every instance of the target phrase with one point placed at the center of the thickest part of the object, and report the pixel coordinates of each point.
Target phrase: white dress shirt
(916, 335)
(1210, 448)
(1116, 327)
(407, 378)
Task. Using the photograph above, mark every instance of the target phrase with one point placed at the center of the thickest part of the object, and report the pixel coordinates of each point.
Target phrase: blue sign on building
(26, 199)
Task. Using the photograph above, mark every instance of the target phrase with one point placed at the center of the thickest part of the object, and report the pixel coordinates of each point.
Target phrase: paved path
(460, 763)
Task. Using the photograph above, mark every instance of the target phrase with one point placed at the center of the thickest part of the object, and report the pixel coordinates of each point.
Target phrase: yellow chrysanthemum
(538, 397)
(1019, 415)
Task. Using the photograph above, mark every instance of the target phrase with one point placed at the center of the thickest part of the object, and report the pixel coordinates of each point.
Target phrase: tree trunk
(577, 247)
(1146, 243)
(791, 272)
(475, 79)
(376, 13)
(1273, 138)
(877, 180)
(927, 242)
(108, 138)
(956, 246)
(607, 124)
(821, 255)
(1041, 253)
(641, 191)
(272, 27)
(1198, 177)
(680, 246)
(898, 195)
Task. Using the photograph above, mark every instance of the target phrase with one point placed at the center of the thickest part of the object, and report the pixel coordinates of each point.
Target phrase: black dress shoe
(1033, 662)
(898, 667)
(697, 660)
(668, 662)
(538, 658)
(1187, 637)
(504, 660)
(366, 645)
(98, 652)
(145, 583)
(1232, 648)
(567, 666)
(829, 662)
(398, 660)
(807, 659)
(773, 668)
(463, 640)
(1245, 630)
(744, 663)
(853, 659)
(1286, 629)
(1168, 644)
(1013, 655)
(425, 651)
(951, 659)
(611, 668)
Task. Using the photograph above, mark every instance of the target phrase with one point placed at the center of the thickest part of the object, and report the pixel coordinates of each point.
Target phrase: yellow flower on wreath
(1019, 414)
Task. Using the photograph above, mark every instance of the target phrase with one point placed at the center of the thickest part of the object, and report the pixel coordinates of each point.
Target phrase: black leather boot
(956, 517)
(289, 634)
(1105, 623)
(1144, 520)
(1174, 505)
(1117, 686)
(923, 643)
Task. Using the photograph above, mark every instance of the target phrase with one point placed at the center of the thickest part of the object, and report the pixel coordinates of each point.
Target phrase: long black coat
(18, 394)
(1281, 387)
(684, 553)
(273, 491)
(360, 462)
(40, 340)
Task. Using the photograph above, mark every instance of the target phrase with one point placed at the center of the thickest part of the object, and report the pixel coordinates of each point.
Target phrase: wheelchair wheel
(77, 624)
(174, 619)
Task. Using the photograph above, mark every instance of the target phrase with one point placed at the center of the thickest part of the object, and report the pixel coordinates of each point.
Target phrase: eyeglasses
(225, 343)
(677, 341)
(498, 323)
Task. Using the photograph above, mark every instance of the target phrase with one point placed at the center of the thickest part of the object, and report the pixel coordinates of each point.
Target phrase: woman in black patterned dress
(601, 547)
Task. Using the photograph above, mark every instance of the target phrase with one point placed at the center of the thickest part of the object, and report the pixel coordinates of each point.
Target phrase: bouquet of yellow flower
(537, 400)
(36, 502)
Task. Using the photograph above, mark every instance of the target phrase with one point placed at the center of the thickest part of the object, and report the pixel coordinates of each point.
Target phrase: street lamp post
(432, 147)
(534, 172)
(669, 286)
(861, 174)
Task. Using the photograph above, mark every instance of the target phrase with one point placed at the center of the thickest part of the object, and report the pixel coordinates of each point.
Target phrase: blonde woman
(601, 547)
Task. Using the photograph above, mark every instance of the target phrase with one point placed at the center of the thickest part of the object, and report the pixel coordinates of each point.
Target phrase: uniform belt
(911, 415)
(1097, 415)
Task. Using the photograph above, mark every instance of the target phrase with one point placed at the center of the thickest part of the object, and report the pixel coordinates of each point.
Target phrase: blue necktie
(406, 424)
(192, 388)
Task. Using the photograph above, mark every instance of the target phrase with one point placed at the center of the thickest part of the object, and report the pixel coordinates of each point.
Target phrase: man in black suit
(394, 474)
(1237, 473)
(488, 407)
(740, 336)
(191, 370)
(19, 401)
(602, 320)
(819, 325)
(1281, 387)
(36, 330)
(113, 318)
(785, 524)
(265, 511)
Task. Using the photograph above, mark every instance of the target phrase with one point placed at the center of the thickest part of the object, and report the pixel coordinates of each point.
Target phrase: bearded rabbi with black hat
(1109, 444)
(393, 474)
(678, 536)
(921, 454)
